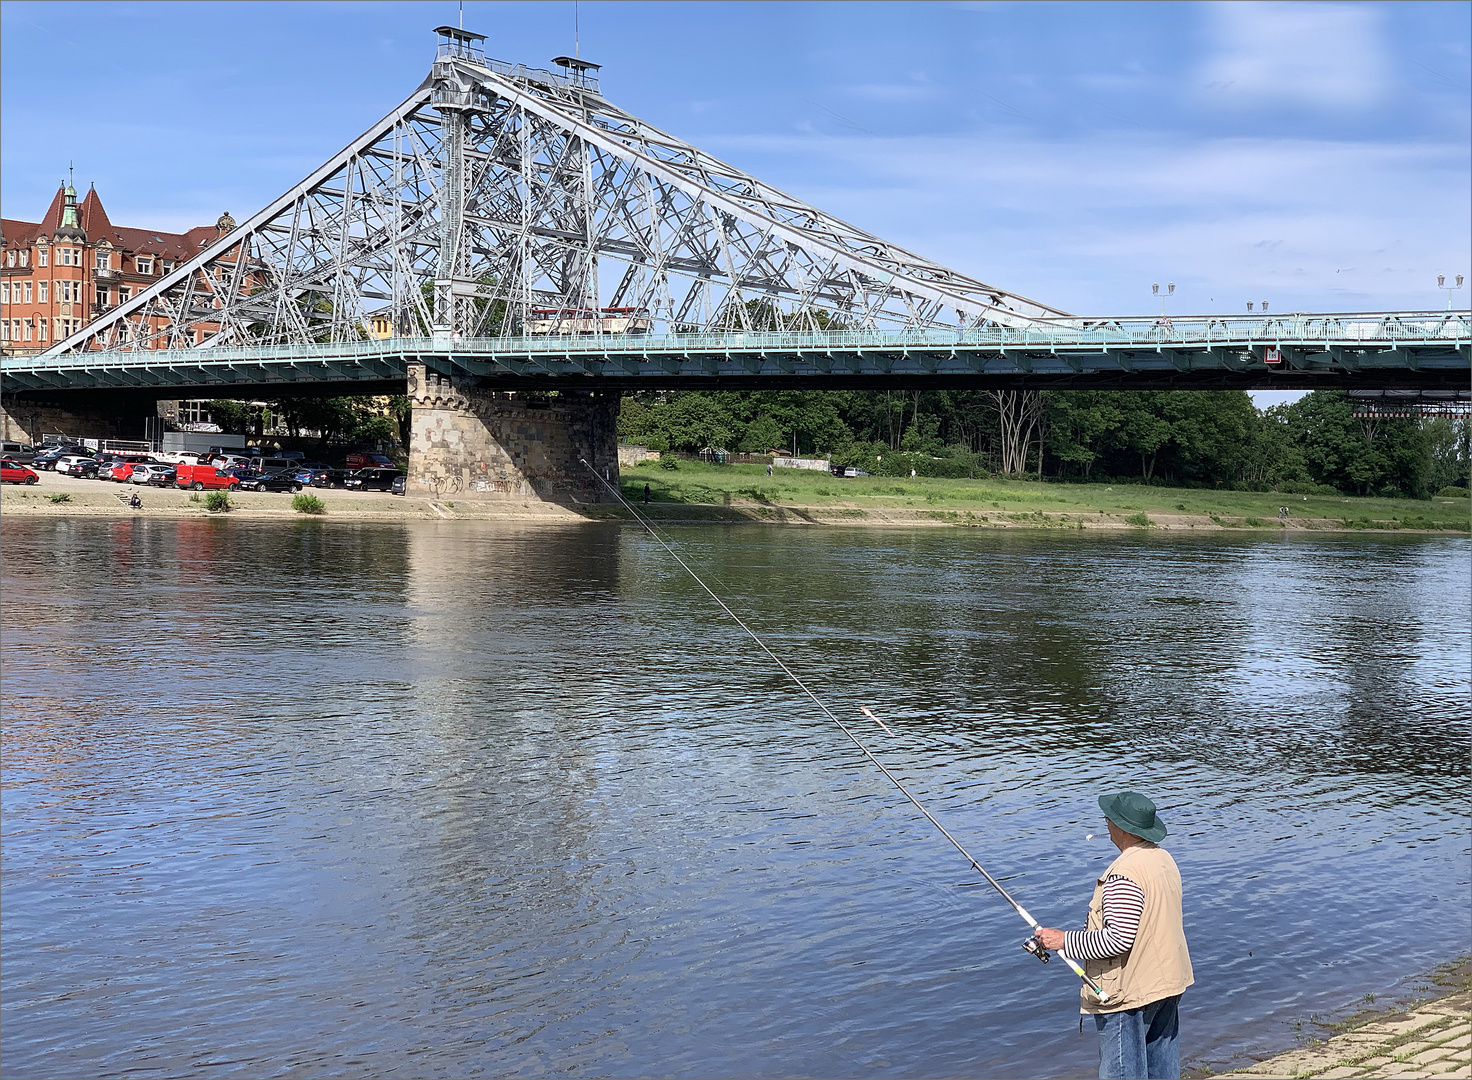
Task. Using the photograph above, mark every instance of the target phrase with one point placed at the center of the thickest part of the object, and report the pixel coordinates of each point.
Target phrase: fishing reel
(1034, 946)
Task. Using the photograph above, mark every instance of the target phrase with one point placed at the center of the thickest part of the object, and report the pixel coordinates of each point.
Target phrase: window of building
(26, 328)
(166, 267)
(63, 256)
(4, 329)
(42, 288)
(40, 256)
(102, 295)
(145, 265)
(42, 335)
(102, 260)
(194, 412)
(124, 295)
(4, 292)
(10, 258)
(25, 258)
(27, 288)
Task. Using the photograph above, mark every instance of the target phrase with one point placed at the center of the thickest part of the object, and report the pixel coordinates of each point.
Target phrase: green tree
(1389, 457)
(1142, 429)
(233, 417)
(1079, 423)
(1449, 439)
(1273, 456)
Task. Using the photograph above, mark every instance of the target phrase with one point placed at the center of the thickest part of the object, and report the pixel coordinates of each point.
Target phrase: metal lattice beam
(495, 196)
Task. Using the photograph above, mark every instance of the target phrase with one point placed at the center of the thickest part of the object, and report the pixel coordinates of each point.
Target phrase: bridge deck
(1373, 350)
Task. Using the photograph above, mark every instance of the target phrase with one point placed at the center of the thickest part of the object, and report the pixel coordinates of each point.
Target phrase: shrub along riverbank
(1023, 502)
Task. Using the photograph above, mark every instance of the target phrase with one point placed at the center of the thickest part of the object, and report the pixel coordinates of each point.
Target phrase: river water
(449, 799)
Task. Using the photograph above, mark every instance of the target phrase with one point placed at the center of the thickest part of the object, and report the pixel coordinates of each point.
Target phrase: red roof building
(60, 273)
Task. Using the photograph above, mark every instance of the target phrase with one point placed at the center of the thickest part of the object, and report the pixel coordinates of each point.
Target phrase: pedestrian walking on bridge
(1133, 946)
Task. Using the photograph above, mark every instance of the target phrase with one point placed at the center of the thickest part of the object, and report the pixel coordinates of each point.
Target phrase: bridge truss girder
(492, 193)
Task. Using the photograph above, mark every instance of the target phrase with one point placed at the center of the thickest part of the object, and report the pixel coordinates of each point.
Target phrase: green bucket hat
(1135, 814)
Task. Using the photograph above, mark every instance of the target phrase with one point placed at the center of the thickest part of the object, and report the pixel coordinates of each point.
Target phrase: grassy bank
(1021, 502)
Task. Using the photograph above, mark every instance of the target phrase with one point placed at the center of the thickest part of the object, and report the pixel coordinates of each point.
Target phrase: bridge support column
(473, 443)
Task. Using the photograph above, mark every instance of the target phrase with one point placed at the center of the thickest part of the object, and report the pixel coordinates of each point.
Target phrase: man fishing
(1133, 946)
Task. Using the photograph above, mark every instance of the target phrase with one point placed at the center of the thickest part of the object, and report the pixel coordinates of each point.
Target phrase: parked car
(268, 481)
(13, 472)
(272, 464)
(309, 473)
(250, 480)
(119, 472)
(204, 478)
(82, 468)
(158, 475)
(64, 463)
(372, 479)
(354, 462)
(329, 478)
(280, 481)
(224, 462)
(18, 452)
(400, 483)
(49, 457)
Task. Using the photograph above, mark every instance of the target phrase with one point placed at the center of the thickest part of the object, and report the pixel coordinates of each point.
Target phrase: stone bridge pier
(473, 443)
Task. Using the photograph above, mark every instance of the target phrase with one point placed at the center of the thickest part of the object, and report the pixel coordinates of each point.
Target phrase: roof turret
(71, 226)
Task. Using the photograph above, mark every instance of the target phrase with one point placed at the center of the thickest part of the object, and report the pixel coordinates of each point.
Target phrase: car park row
(220, 469)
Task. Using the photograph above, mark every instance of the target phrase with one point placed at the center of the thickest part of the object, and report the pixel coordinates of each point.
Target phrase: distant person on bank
(1133, 946)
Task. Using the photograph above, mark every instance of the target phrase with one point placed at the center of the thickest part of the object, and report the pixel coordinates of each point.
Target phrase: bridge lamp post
(1170, 290)
(1448, 289)
(1264, 305)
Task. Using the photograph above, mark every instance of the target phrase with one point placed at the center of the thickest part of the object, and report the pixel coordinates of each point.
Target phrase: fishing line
(1032, 944)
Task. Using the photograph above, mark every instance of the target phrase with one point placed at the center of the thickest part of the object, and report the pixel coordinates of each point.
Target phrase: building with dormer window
(60, 273)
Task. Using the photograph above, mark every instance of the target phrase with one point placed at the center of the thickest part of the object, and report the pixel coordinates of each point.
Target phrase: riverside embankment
(1424, 1036)
(695, 492)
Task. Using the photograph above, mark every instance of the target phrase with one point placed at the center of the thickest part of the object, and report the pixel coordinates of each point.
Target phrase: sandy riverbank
(92, 498)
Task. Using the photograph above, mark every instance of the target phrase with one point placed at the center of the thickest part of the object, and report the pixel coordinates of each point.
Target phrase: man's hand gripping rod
(1032, 944)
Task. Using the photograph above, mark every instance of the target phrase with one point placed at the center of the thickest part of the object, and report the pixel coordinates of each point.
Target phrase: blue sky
(1313, 155)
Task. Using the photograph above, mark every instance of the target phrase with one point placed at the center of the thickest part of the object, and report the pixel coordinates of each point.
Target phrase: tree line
(1179, 438)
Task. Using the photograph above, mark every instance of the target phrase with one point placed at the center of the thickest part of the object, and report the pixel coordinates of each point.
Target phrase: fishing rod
(1032, 944)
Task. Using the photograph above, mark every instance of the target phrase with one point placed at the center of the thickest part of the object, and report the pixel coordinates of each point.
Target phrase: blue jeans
(1140, 1044)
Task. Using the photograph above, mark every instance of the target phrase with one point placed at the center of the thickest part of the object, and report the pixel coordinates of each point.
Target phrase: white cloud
(1325, 56)
(1087, 225)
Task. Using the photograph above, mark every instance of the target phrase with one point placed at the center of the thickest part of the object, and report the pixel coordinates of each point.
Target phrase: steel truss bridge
(500, 211)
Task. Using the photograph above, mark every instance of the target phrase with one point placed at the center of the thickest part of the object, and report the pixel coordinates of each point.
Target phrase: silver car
(155, 474)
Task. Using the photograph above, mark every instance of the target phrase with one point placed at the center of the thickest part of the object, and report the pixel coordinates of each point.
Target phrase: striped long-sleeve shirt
(1123, 903)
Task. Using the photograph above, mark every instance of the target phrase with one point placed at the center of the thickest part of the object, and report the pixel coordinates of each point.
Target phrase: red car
(205, 477)
(118, 471)
(13, 472)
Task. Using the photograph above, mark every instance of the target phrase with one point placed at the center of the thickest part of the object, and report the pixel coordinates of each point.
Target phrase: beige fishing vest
(1158, 965)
